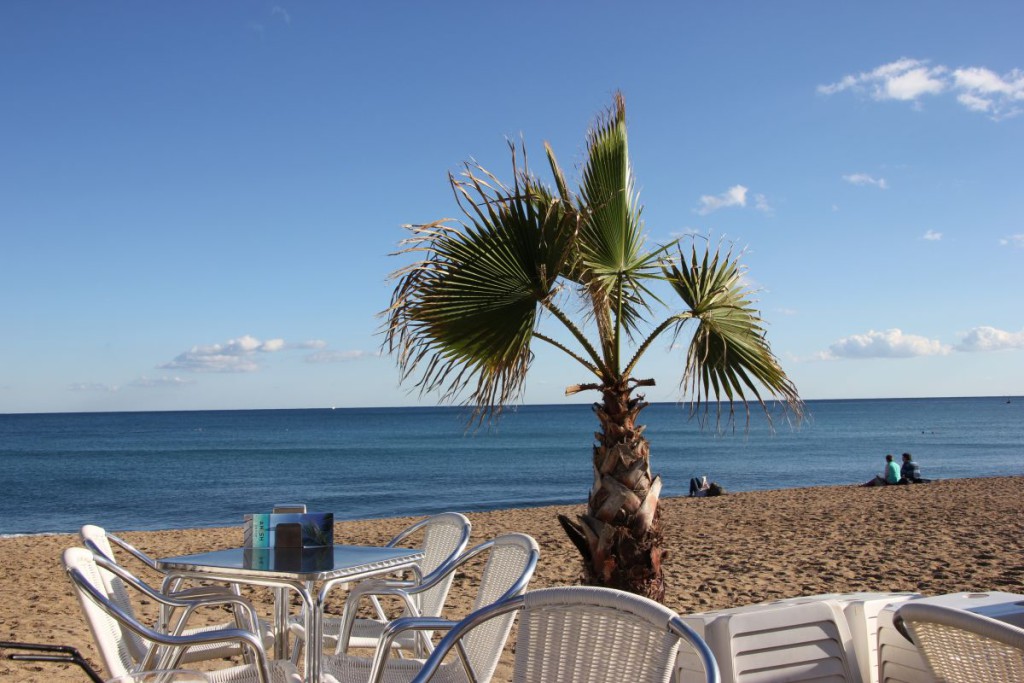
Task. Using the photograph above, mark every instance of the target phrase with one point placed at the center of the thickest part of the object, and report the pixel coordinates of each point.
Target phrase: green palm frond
(728, 358)
(612, 257)
(463, 316)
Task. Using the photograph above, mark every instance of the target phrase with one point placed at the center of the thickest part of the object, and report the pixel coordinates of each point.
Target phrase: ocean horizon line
(510, 408)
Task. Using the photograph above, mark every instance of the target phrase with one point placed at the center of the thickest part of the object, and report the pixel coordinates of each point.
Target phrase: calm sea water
(208, 468)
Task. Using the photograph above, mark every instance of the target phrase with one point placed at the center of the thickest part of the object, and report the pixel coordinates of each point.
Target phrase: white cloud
(985, 91)
(95, 386)
(932, 236)
(160, 382)
(234, 355)
(339, 356)
(865, 179)
(281, 12)
(761, 204)
(974, 103)
(734, 196)
(977, 88)
(1013, 241)
(886, 344)
(990, 339)
(912, 84)
(905, 79)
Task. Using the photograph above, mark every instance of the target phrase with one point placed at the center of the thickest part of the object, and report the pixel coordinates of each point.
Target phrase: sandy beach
(738, 549)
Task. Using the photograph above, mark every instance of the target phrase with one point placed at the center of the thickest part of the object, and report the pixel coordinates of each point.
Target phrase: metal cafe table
(298, 569)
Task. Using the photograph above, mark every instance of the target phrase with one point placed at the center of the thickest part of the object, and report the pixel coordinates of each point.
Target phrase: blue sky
(198, 200)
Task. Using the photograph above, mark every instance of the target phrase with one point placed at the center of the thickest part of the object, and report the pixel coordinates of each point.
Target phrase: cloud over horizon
(908, 80)
(892, 343)
(990, 339)
(234, 355)
(94, 387)
(160, 382)
(329, 356)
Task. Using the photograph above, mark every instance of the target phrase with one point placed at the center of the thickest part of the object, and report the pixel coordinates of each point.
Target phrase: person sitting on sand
(910, 472)
(891, 476)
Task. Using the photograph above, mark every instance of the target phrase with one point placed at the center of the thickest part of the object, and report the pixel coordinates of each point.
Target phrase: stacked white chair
(861, 610)
(767, 643)
(99, 541)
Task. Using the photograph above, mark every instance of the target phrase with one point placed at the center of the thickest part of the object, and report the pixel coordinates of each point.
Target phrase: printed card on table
(289, 530)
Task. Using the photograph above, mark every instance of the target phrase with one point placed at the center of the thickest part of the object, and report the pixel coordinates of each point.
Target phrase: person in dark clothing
(910, 472)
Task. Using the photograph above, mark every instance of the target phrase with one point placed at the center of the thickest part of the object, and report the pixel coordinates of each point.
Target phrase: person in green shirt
(891, 476)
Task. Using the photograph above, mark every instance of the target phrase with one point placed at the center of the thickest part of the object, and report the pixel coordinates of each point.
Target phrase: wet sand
(737, 549)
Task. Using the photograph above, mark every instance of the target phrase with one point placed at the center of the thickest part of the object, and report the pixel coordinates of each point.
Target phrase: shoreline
(728, 551)
(472, 511)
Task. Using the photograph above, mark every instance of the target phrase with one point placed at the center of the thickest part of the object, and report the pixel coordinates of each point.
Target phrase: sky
(200, 202)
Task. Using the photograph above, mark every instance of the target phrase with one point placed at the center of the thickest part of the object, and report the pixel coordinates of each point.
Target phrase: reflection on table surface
(316, 562)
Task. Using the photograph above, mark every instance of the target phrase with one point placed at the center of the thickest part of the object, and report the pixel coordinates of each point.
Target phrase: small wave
(40, 533)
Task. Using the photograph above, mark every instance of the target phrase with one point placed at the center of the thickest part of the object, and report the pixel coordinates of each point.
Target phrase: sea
(175, 470)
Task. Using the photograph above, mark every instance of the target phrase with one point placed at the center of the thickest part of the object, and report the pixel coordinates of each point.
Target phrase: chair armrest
(244, 612)
(188, 604)
(707, 657)
(396, 627)
(200, 591)
(134, 552)
(399, 589)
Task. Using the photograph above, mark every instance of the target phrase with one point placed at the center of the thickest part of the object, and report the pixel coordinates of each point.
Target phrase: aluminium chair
(128, 646)
(963, 647)
(99, 542)
(577, 634)
(511, 561)
(444, 537)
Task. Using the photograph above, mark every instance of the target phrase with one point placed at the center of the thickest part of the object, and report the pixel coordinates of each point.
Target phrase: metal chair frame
(165, 650)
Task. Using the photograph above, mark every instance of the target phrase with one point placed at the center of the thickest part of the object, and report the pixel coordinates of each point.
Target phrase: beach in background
(175, 470)
(738, 549)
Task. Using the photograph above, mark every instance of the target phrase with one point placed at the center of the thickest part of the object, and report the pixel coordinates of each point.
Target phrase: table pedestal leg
(313, 623)
(281, 614)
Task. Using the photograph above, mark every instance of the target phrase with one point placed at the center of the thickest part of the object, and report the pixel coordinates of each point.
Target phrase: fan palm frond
(729, 358)
(464, 314)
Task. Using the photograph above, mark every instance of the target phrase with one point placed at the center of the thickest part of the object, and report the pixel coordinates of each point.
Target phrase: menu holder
(288, 530)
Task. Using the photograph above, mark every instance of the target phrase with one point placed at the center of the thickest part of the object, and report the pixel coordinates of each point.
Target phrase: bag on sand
(715, 489)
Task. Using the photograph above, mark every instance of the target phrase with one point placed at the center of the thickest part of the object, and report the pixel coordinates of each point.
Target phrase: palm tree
(463, 318)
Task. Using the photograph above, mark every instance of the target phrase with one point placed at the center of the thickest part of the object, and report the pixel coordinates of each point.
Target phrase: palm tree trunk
(620, 535)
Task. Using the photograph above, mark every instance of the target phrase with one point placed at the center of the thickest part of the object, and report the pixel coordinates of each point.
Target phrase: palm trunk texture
(620, 536)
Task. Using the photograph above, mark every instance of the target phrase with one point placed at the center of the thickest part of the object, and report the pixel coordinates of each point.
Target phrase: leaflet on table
(288, 530)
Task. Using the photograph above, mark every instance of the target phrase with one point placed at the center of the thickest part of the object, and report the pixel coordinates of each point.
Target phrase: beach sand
(738, 549)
